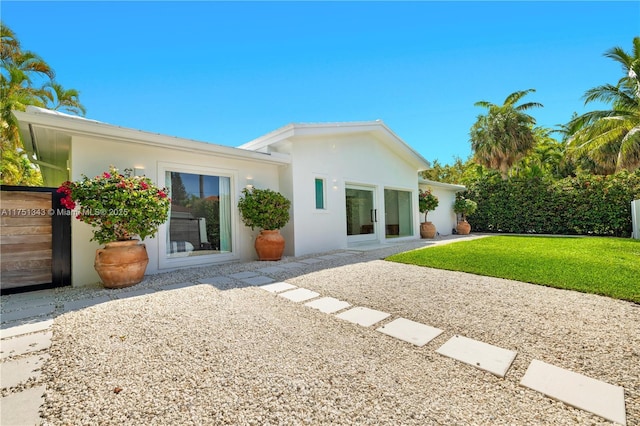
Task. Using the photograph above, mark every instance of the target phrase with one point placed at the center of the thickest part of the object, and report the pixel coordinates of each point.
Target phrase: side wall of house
(357, 159)
(443, 216)
(92, 156)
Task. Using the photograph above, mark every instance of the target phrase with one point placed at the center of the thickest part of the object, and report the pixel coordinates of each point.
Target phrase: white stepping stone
(410, 331)
(25, 344)
(25, 328)
(271, 270)
(30, 297)
(246, 274)
(481, 355)
(311, 261)
(34, 311)
(217, 280)
(299, 295)
(277, 287)
(328, 257)
(328, 305)
(135, 293)
(76, 305)
(22, 408)
(292, 265)
(12, 373)
(258, 280)
(363, 316)
(176, 286)
(597, 397)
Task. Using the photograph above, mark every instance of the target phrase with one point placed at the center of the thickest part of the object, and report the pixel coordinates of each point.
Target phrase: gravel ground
(234, 354)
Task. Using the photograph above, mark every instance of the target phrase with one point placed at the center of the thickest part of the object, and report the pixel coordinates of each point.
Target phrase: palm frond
(516, 96)
(483, 104)
(528, 105)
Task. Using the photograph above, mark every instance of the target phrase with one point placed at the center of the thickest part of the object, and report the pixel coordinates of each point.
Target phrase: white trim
(71, 125)
(412, 209)
(451, 186)
(165, 262)
(377, 128)
(364, 238)
(635, 219)
(323, 177)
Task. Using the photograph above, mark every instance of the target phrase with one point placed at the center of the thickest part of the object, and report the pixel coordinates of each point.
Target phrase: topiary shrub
(264, 208)
(464, 206)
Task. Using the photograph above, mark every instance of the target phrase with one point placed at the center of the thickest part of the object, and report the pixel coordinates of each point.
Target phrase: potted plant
(118, 207)
(464, 208)
(269, 211)
(427, 202)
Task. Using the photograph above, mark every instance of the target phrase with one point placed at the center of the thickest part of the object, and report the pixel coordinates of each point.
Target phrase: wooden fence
(35, 239)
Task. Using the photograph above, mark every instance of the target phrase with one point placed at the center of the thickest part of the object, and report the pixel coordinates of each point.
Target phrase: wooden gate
(35, 239)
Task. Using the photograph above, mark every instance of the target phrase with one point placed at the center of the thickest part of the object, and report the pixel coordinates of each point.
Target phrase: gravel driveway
(233, 354)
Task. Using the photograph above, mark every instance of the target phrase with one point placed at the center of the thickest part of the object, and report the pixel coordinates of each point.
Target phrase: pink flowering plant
(117, 206)
(427, 202)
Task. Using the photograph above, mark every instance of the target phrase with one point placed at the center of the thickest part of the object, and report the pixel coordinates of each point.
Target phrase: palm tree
(611, 138)
(20, 73)
(504, 135)
(61, 99)
(547, 158)
(16, 78)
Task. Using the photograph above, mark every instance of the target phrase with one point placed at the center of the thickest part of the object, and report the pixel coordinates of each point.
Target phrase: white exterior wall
(340, 160)
(635, 219)
(92, 156)
(443, 216)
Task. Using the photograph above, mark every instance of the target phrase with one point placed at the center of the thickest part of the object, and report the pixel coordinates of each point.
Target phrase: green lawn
(606, 266)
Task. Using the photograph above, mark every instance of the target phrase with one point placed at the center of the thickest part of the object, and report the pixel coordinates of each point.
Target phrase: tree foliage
(611, 138)
(584, 205)
(25, 79)
(264, 208)
(529, 182)
(427, 202)
(500, 138)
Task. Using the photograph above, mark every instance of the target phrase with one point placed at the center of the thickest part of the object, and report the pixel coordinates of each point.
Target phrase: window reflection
(200, 216)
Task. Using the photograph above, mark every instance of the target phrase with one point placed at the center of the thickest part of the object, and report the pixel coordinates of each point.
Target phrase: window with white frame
(200, 215)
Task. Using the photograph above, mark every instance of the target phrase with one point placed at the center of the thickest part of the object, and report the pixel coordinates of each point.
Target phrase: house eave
(377, 128)
(443, 185)
(78, 126)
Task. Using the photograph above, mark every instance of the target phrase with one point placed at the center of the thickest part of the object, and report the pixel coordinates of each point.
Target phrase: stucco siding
(92, 156)
(443, 216)
(341, 160)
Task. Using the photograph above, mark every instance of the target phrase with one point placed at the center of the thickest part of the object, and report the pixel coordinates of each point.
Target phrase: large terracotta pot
(121, 263)
(463, 227)
(269, 245)
(427, 230)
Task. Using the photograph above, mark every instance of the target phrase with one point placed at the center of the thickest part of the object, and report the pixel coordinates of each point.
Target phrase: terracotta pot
(121, 263)
(463, 227)
(427, 230)
(269, 245)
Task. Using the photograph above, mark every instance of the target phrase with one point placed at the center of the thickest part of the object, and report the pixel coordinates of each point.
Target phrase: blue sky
(228, 72)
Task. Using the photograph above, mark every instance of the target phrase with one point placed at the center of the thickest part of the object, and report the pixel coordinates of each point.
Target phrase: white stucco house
(350, 184)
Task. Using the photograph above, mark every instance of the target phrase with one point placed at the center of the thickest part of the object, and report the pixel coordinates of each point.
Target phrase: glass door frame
(375, 215)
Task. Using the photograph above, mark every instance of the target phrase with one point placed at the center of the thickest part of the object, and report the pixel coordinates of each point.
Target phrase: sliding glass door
(398, 213)
(362, 214)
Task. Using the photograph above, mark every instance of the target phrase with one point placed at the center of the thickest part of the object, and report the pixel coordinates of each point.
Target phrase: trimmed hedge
(583, 205)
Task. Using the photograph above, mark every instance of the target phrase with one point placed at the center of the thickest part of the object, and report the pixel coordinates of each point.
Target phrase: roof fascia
(79, 126)
(322, 129)
(443, 185)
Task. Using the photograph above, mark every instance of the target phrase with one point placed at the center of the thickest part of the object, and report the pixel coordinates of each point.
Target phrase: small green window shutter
(319, 194)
